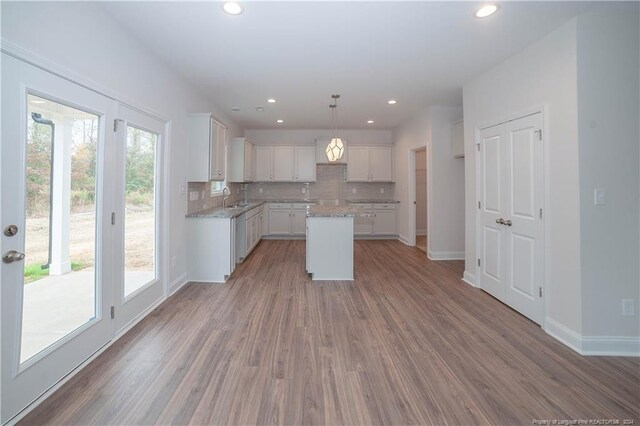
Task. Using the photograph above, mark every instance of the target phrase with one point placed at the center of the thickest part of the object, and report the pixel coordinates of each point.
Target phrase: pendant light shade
(335, 149)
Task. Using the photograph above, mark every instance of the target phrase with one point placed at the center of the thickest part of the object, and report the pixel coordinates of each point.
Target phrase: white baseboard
(564, 334)
(593, 345)
(445, 255)
(611, 345)
(177, 284)
(469, 278)
(421, 232)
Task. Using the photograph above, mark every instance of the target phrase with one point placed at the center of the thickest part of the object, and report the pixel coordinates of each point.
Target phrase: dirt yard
(139, 230)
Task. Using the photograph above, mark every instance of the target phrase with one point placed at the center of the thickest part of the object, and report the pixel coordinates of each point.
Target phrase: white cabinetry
(384, 222)
(457, 139)
(370, 164)
(207, 143)
(241, 160)
(253, 228)
(211, 248)
(285, 164)
(264, 163)
(287, 219)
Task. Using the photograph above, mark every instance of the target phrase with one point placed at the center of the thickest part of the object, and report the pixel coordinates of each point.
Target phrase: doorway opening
(420, 198)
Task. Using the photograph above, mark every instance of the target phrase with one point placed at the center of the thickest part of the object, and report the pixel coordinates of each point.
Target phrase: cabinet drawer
(365, 206)
(299, 206)
(384, 206)
(279, 206)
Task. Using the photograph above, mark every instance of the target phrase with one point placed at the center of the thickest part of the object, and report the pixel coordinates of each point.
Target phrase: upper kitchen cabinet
(457, 140)
(242, 160)
(207, 142)
(285, 164)
(370, 164)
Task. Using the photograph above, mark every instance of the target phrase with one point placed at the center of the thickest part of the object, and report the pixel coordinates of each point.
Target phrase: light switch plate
(182, 189)
(260, 190)
(628, 307)
(599, 197)
(353, 190)
(382, 190)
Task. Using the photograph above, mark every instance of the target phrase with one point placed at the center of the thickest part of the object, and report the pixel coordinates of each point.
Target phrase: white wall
(585, 74)
(82, 38)
(542, 74)
(608, 116)
(445, 187)
(445, 219)
(308, 137)
(421, 192)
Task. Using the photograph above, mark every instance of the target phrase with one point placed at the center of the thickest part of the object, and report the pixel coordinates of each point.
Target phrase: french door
(56, 236)
(511, 219)
(80, 217)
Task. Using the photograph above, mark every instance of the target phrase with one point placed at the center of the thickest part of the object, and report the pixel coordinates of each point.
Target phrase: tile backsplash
(330, 185)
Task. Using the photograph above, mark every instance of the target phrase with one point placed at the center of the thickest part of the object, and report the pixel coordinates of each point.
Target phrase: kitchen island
(330, 241)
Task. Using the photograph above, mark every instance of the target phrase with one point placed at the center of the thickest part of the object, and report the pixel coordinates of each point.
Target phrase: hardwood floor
(406, 343)
(421, 242)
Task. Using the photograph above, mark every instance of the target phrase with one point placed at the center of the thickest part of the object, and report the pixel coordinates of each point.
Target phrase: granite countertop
(290, 201)
(371, 201)
(226, 213)
(337, 211)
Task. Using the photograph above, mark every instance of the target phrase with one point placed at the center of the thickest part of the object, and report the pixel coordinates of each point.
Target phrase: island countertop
(337, 211)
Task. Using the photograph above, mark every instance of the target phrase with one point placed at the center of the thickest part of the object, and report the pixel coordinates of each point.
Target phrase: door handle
(508, 222)
(12, 256)
(500, 221)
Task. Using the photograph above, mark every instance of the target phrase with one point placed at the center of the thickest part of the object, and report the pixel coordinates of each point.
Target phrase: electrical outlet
(182, 189)
(202, 194)
(382, 190)
(193, 196)
(304, 190)
(354, 190)
(599, 197)
(260, 190)
(628, 307)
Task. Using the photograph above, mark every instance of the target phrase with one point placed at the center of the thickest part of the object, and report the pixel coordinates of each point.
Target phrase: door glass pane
(140, 210)
(60, 231)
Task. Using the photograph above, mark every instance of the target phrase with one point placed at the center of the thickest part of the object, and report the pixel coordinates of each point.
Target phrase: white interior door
(492, 202)
(139, 214)
(56, 232)
(511, 223)
(524, 231)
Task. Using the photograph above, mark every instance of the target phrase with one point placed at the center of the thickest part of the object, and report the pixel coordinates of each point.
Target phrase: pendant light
(335, 149)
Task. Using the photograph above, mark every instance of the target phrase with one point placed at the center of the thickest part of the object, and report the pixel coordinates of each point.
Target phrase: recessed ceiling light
(369, 121)
(392, 102)
(271, 101)
(235, 109)
(486, 10)
(259, 108)
(233, 8)
(279, 121)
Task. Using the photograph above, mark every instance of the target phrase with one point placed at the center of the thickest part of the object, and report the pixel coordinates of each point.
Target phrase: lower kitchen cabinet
(382, 224)
(211, 248)
(287, 219)
(248, 232)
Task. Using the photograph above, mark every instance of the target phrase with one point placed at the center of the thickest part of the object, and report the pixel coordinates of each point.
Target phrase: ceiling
(300, 53)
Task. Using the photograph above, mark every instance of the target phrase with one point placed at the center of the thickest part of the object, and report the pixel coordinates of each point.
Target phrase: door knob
(500, 221)
(10, 230)
(508, 222)
(12, 256)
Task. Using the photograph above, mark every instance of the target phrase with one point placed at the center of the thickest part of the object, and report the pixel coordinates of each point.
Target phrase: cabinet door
(249, 154)
(363, 225)
(264, 163)
(279, 221)
(358, 165)
(283, 164)
(299, 222)
(213, 150)
(305, 162)
(381, 163)
(385, 222)
(217, 149)
(248, 236)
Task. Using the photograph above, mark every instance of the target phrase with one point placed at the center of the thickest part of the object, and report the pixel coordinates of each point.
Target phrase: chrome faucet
(225, 191)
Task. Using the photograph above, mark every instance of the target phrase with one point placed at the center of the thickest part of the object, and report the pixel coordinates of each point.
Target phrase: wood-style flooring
(407, 342)
(421, 242)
